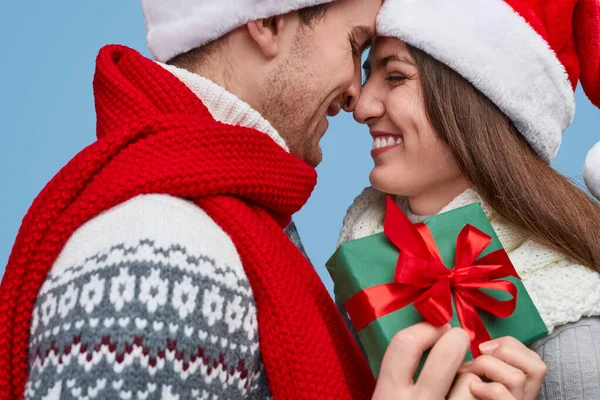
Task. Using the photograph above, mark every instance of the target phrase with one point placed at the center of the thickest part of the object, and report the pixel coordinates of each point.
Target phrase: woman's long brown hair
(501, 166)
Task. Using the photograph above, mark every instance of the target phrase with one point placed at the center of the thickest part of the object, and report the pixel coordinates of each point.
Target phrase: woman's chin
(386, 182)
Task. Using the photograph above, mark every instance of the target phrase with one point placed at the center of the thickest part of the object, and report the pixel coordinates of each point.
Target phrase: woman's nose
(369, 108)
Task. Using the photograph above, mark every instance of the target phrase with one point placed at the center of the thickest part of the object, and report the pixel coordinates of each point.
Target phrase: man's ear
(267, 33)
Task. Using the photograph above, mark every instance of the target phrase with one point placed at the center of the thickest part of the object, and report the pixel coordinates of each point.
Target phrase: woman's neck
(433, 201)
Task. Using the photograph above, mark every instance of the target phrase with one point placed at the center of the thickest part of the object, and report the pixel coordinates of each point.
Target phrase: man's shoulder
(151, 228)
(149, 291)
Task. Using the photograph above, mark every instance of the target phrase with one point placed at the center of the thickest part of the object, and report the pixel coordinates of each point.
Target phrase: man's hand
(448, 350)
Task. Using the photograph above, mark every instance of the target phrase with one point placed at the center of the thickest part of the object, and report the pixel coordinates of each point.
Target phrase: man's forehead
(358, 15)
(362, 35)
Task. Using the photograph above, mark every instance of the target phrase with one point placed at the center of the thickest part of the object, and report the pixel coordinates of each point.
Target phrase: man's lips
(334, 110)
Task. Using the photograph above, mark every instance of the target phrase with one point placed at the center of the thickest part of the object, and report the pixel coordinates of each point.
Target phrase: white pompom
(592, 170)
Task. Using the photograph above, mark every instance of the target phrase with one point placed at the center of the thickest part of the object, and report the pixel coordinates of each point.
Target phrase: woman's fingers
(442, 364)
(515, 353)
(404, 352)
(448, 349)
(491, 391)
(462, 387)
(498, 371)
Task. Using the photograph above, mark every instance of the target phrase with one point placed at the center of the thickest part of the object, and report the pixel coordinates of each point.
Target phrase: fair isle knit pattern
(147, 308)
(148, 318)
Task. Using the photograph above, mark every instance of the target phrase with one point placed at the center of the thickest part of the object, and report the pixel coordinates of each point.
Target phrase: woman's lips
(384, 141)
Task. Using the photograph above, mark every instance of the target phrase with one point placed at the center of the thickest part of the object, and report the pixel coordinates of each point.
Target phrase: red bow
(422, 279)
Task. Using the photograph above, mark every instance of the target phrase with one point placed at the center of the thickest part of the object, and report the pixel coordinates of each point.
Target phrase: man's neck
(224, 106)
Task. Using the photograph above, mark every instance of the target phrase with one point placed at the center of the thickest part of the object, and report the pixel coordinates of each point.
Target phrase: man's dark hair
(308, 17)
(314, 14)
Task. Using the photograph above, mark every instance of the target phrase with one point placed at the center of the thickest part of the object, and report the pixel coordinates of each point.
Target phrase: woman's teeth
(386, 141)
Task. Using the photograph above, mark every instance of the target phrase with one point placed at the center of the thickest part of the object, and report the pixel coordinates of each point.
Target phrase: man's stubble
(290, 100)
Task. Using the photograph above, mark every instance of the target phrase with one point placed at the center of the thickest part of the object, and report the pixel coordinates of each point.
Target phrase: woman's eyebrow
(384, 61)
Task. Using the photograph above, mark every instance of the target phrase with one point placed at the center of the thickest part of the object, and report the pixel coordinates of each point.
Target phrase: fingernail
(465, 367)
(488, 347)
(478, 386)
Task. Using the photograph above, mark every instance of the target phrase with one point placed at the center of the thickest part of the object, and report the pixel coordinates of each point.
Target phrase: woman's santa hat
(177, 26)
(525, 55)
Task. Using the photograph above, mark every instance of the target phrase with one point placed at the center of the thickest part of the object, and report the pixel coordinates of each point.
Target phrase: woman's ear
(267, 33)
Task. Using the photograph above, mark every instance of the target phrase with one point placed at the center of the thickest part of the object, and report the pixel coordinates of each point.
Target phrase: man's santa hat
(177, 26)
(527, 56)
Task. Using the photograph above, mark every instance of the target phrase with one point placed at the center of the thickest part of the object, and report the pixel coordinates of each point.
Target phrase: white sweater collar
(225, 106)
(467, 197)
(365, 216)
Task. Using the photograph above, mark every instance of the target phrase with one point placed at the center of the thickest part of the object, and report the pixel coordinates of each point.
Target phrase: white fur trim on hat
(496, 50)
(592, 170)
(177, 26)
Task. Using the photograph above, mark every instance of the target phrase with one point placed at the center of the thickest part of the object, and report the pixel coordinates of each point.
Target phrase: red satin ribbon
(422, 279)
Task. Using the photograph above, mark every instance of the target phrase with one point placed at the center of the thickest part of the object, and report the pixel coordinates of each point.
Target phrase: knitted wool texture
(156, 136)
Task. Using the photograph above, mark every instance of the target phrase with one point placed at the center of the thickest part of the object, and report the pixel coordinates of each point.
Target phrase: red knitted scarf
(156, 136)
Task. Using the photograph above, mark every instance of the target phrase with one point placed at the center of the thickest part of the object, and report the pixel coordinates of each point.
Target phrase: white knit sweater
(562, 291)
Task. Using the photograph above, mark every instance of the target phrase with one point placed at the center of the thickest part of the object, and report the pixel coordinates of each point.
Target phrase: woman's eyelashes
(392, 75)
(396, 79)
(393, 79)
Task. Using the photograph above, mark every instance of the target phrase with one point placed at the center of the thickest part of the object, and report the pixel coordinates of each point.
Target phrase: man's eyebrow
(362, 35)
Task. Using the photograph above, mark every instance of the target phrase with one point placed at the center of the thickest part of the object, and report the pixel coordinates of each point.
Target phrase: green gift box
(372, 277)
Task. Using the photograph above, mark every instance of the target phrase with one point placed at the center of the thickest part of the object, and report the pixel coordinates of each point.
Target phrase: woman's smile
(384, 141)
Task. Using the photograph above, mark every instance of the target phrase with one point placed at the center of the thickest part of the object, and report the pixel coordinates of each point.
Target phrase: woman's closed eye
(397, 79)
(393, 79)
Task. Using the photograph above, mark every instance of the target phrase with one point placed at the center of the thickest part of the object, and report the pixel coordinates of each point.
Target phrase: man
(155, 264)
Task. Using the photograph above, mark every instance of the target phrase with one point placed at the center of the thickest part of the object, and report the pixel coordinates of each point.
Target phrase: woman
(467, 102)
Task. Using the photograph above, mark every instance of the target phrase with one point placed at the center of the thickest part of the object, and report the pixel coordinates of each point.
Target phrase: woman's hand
(515, 372)
(439, 372)
(511, 367)
(470, 386)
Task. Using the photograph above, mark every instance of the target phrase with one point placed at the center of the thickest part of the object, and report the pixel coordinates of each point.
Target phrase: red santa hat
(527, 56)
(177, 26)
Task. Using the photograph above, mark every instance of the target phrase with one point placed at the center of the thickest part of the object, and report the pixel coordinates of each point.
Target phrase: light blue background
(47, 115)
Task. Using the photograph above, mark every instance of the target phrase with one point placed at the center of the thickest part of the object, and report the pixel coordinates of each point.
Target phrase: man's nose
(350, 96)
